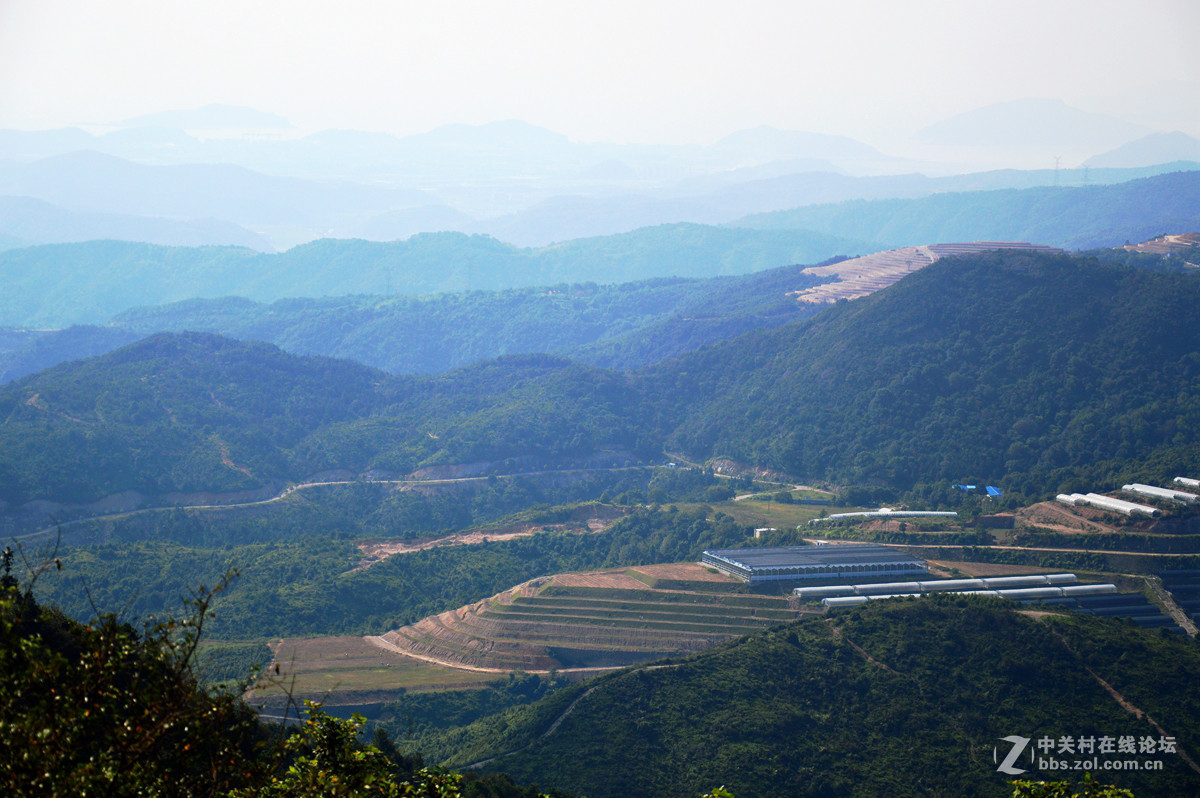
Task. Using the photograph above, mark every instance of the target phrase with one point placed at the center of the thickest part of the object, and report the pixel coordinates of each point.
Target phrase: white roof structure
(1177, 496)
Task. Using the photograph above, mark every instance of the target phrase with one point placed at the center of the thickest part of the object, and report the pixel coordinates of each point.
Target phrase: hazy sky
(610, 70)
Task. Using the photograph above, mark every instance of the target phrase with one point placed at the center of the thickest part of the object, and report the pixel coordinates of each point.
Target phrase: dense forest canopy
(1026, 370)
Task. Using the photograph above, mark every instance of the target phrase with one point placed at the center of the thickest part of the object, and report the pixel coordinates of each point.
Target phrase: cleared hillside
(858, 277)
(595, 620)
(1184, 244)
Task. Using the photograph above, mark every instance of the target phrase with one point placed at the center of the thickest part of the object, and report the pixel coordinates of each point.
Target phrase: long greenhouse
(864, 561)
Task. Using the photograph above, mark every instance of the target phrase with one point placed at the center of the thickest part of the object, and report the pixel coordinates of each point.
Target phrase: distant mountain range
(180, 205)
(1077, 217)
(94, 281)
(1026, 123)
(1153, 149)
(91, 182)
(511, 180)
(25, 221)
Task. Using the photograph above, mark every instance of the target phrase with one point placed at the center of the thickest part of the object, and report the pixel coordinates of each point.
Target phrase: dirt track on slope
(375, 551)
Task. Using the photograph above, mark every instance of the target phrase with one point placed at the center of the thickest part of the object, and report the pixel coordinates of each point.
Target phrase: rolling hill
(854, 704)
(28, 222)
(1076, 217)
(1025, 368)
(195, 413)
(94, 281)
(625, 326)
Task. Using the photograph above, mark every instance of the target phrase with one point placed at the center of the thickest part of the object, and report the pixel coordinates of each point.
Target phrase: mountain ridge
(904, 388)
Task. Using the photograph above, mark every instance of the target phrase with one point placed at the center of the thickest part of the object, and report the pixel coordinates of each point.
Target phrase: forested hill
(626, 325)
(1034, 372)
(1079, 217)
(1013, 368)
(196, 412)
(95, 280)
(854, 704)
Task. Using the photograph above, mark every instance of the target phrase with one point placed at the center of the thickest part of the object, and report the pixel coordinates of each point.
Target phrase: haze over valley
(570, 400)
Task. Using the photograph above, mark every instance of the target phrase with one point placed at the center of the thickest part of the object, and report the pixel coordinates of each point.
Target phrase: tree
(1088, 788)
(105, 709)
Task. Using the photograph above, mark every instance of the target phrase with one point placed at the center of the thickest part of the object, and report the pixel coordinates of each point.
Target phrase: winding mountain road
(290, 489)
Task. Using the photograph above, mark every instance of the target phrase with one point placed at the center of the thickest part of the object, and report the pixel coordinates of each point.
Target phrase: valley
(579, 400)
(470, 555)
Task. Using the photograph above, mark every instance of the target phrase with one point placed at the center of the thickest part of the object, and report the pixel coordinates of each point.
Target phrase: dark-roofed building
(865, 561)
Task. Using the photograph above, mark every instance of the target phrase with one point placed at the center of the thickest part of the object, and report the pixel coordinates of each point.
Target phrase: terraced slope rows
(612, 621)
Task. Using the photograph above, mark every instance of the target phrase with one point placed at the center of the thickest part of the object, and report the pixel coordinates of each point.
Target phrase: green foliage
(373, 510)
(216, 663)
(420, 713)
(622, 326)
(310, 588)
(862, 702)
(97, 279)
(915, 385)
(1001, 368)
(1088, 788)
(194, 412)
(327, 760)
(103, 709)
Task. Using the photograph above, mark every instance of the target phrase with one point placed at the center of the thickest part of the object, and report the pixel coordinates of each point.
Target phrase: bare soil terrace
(683, 572)
(376, 551)
(354, 670)
(575, 623)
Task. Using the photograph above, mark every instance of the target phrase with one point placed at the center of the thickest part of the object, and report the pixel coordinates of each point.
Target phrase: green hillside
(90, 282)
(625, 325)
(309, 581)
(1073, 218)
(26, 351)
(195, 412)
(1033, 371)
(1021, 370)
(905, 697)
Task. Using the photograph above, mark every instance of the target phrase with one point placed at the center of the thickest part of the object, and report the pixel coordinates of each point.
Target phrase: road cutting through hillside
(290, 489)
(395, 649)
(1030, 548)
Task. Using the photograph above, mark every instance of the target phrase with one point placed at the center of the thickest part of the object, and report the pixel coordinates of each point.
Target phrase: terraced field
(587, 621)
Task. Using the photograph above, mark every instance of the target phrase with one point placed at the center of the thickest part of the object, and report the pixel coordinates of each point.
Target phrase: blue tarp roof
(991, 489)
